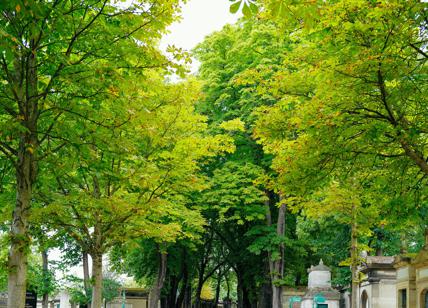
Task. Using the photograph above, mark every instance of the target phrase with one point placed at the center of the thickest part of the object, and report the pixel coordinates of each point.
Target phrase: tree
(349, 95)
(235, 62)
(340, 93)
(56, 55)
(346, 205)
(132, 181)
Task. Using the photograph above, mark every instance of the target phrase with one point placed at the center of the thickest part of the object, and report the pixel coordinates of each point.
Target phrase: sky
(199, 19)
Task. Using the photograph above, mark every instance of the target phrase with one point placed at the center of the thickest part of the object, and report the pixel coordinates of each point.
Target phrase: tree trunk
(155, 292)
(97, 277)
(198, 293)
(86, 278)
(188, 296)
(45, 298)
(227, 301)
(201, 274)
(173, 289)
(354, 259)
(164, 302)
(243, 292)
(265, 298)
(228, 287)
(184, 285)
(246, 297)
(17, 261)
(240, 291)
(208, 242)
(426, 238)
(276, 266)
(217, 290)
(26, 169)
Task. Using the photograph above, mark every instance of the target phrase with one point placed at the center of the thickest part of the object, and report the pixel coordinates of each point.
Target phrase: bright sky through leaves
(199, 19)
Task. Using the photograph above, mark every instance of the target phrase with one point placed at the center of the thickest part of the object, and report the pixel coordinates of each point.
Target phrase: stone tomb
(412, 280)
(30, 300)
(377, 288)
(133, 298)
(320, 294)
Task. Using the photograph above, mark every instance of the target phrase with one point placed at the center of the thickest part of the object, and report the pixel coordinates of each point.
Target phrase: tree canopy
(303, 129)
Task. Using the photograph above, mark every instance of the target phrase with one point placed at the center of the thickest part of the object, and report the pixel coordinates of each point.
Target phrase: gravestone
(30, 300)
(3, 300)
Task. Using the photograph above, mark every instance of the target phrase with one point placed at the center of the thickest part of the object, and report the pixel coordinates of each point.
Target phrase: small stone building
(406, 282)
(377, 287)
(412, 280)
(131, 298)
(421, 267)
(290, 293)
(320, 294)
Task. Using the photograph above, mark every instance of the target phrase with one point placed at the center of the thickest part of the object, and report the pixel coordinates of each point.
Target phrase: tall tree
(230, 60)
(132, 180)
(55, 57)
(352, 93)
(350, 100)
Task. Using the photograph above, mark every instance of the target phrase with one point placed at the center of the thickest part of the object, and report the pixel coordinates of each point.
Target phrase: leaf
(254, 8)
(246, 10)
(233, 125)
(234, 8)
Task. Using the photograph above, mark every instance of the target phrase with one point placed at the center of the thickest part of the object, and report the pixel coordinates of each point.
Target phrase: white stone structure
(61, 300)
(319, 285)
(412, 280)
(377, 288)
(64, 299)
(134, 298)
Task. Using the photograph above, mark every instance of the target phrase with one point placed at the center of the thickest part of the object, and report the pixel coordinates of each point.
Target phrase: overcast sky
(199, 18)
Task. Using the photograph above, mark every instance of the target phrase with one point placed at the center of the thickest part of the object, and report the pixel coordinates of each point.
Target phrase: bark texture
(86, 278)
(24, 80)
(45, 296)
(155, 292)
(354, 261)
(276, 266)
(97, 276)
(181, 300)
(17, 261)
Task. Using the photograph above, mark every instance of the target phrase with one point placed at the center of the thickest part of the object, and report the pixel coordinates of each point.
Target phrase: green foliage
(350, 104)
(321, 102)
(3, 262)
(76, 290)
(42, 282)
(234, 62)
(334, 113)
(234, 195)
(111, 288)
(344, 205)
(75, 287)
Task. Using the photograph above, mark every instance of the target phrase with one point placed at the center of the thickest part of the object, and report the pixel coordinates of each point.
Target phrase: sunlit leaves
(248, 7)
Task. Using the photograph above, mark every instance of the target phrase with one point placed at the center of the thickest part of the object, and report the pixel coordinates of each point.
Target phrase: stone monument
(377, 286)
(320, 294)
(412, 279)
